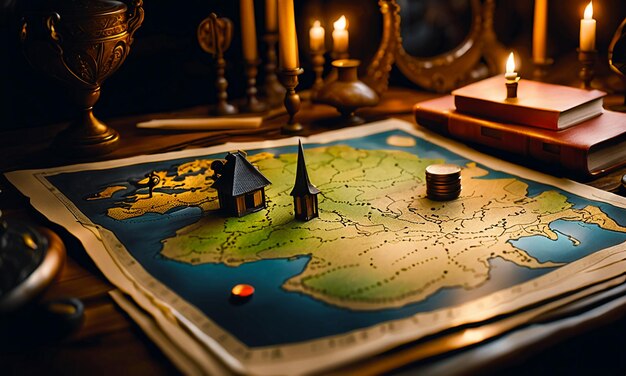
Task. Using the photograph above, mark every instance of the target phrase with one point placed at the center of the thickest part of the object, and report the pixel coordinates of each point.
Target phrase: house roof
(238, 176)
(302, 185)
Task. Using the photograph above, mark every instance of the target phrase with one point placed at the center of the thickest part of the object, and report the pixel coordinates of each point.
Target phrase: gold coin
(443, 170)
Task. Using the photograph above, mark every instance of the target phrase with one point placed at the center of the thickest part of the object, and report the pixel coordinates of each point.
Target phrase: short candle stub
(511, 88)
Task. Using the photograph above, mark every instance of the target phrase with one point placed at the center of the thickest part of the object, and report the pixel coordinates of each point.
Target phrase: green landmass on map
(378, 242)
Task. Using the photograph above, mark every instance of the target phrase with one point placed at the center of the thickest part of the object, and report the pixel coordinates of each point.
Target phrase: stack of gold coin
(443, 182)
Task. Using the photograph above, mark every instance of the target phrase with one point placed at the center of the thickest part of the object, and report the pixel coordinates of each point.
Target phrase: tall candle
(271, 23)
(540, 27)
(287, 35)
(248, 30)
(316, 37)
(588, 30)
(340, 35)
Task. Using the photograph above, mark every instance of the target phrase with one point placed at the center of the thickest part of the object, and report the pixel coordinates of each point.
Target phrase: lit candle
(271, 23)
(340, 36)
(588, 30)
(316, 37)
(510, 74)
(287, 34)
(540, 26)
(248, 30)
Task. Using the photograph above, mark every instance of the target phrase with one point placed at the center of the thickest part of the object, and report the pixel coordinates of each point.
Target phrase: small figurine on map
(153, 181)
(240, 186)
(241, 293)
(304, 193)
(443, 182)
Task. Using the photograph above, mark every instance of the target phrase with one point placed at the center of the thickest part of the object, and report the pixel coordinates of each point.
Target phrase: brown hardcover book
(537, 104)
(593, 147)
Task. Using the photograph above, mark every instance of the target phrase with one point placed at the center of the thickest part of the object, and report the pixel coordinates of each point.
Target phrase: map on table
(381, 266)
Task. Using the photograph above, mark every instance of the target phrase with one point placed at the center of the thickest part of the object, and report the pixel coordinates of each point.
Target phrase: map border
(194, 332)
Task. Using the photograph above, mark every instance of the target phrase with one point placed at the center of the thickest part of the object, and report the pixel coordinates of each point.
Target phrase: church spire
(302, 185)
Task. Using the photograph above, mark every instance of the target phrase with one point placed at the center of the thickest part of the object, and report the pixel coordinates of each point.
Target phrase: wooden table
(110, 343)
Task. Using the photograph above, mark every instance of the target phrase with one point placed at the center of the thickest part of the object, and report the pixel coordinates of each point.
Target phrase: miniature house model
(304, 193)
(240, 186)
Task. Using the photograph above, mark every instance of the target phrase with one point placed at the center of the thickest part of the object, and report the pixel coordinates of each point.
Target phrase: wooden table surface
(109, 342)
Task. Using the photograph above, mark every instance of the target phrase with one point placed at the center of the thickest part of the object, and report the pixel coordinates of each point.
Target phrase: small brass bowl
(347, 93)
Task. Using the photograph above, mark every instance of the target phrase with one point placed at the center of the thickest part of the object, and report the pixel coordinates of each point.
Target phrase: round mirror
(438, 44)
(434, 27)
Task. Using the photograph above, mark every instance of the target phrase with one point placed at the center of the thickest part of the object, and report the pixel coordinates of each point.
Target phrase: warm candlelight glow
(510, 74)
(340, 36)
(589, 11)
(316, 37)
(588, 30)
(510, 64)
(340, 24)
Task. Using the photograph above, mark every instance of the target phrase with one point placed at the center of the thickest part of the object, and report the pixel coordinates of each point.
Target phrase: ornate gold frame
(444, 72)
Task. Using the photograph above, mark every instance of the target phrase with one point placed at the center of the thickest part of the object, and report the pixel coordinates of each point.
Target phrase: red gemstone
(242, 290)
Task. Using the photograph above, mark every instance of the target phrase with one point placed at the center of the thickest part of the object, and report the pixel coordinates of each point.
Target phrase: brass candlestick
(289, 79)
(214, 36)
(588, 60)
(273, 90)
(318, 67)
(82, 43)
(252, 102)
(541, 69)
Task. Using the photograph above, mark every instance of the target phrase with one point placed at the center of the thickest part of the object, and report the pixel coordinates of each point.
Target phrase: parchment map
(376, 229)
(380, 258)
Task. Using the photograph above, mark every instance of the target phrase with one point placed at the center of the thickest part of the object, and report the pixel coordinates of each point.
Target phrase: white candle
(510, 68)
(248, 30)
(287, 35)
(316, 37)
(271, 23)
(340, 35)
(540, 28)
(588, 30)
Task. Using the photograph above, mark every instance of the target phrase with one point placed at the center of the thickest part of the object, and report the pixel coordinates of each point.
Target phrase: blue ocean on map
(274, 316)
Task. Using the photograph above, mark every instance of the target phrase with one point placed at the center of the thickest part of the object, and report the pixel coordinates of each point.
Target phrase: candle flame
(340, 24)
(317, 23)
(589, 11)
(510, 64)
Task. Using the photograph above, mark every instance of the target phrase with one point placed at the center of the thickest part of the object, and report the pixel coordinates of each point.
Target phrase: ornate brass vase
(81, 42)
(347, 93)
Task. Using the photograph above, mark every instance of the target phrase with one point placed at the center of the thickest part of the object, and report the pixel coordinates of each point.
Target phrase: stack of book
(555, 124)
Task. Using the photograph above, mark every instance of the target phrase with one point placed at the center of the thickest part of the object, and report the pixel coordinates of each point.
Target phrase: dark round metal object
(30, 259)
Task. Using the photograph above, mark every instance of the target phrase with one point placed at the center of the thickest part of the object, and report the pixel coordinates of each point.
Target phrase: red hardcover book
(537, 104)
(591, 148)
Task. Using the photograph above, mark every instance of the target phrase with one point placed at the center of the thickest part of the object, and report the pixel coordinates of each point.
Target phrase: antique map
(382, 265)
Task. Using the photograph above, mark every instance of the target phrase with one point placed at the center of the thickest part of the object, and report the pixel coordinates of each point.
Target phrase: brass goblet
(82, 42)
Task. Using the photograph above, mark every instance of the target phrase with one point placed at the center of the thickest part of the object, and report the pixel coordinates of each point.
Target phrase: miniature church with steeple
(304, 193)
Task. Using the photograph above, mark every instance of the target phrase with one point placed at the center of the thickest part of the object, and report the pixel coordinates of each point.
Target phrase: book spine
(569, 157)
(506, 138)
(508, 113)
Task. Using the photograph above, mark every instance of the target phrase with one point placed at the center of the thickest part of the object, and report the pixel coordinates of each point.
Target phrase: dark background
(166, 70)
